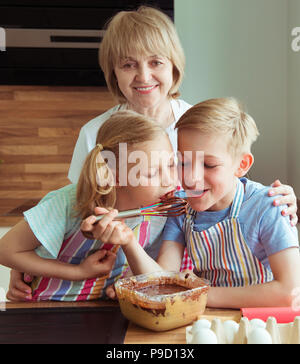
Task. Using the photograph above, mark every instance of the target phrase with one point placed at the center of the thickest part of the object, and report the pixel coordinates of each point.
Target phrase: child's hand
(96, 265)
(107, 230)
(18, 290)
(111, 292)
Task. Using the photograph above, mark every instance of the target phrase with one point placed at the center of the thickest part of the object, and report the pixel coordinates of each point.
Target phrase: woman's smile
(145, 90)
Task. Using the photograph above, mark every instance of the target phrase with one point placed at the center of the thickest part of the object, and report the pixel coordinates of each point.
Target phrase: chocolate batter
(162, 289)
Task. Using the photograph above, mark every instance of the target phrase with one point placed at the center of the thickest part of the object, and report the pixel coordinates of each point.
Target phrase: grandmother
(143, 64)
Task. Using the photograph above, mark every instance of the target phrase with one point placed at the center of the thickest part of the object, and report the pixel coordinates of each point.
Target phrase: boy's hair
(222, 116)
(122, 127)
(146, 31)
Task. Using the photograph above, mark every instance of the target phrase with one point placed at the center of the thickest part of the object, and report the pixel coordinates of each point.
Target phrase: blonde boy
(235, 237)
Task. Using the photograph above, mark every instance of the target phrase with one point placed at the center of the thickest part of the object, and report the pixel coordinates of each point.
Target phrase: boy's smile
(209, 181)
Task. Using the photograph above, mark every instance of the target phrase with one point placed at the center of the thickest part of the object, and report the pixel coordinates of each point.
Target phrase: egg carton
(255, 331)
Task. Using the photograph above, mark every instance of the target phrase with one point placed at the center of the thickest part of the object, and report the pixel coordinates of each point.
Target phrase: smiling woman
(143, 63)
(145, 32)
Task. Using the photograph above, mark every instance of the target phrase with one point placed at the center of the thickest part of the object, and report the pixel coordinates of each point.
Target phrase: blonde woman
(48, 243)
(143, 64)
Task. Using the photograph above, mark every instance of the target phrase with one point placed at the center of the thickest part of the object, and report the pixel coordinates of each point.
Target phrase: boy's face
(209, 178)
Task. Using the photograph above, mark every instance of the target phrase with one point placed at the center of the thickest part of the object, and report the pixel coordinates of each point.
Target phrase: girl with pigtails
(49, 245)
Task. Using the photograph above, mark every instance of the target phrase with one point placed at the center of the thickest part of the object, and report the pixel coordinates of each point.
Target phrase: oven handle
(53, 38)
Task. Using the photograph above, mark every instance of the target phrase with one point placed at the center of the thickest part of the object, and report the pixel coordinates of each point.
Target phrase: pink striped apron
(74, 250)
(220, 254)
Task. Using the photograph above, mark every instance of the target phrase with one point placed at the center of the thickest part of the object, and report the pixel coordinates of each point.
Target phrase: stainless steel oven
(56, 42)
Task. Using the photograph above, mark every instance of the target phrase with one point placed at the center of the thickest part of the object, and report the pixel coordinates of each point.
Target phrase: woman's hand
(288, 198)
(107, 230)
(18, 289)
(96, 265)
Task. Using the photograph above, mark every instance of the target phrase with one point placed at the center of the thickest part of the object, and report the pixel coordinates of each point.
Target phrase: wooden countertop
(135, 334)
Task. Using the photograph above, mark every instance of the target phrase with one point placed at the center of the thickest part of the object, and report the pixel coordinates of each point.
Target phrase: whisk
(170, 206)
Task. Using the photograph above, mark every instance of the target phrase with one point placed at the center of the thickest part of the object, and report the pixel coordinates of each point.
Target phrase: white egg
(231, 328)
(201, 324)
(204, 336)
(259, 336)
(255, 323)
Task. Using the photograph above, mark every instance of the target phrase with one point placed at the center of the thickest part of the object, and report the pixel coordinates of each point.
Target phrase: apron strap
(238, 200)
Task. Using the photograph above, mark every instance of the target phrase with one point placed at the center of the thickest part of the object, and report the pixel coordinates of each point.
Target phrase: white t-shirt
(88, 134)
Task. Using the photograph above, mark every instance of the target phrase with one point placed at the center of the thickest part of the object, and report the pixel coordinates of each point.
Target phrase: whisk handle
(122, 214)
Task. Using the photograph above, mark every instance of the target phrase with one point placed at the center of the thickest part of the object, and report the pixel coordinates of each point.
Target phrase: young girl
(48, 243)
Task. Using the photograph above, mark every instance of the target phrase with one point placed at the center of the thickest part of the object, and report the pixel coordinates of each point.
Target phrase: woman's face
(145, 81)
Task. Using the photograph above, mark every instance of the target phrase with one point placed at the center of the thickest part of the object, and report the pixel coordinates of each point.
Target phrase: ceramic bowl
(163, 300)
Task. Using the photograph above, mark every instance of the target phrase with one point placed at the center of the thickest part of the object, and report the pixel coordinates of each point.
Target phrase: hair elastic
(100, 146)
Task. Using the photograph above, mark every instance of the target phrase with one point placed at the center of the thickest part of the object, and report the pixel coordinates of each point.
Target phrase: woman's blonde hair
(122, 127)
(224, 116)
(146, 31)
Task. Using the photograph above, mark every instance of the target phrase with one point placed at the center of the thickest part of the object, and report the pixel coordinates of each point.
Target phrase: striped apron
(220, 254)
(74, 250)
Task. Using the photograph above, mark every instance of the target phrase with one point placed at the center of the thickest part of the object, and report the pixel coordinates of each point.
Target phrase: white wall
(293, 100)
(240, 48)
(4, 272)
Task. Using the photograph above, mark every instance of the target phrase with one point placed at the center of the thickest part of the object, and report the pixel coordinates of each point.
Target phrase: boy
(236, 239)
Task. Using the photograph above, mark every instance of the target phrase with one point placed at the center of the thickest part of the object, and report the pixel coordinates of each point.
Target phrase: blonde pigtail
(96, 185)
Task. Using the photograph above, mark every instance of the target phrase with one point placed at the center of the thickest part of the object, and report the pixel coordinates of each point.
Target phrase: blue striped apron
(221, 254)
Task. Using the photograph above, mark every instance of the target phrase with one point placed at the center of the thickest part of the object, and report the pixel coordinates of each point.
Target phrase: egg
(257, 323)
(231, 328)
(204, 336)
(201, 324)
(259, 336)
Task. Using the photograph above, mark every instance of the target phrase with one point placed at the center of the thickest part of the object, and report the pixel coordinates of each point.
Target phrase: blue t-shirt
(265, 230)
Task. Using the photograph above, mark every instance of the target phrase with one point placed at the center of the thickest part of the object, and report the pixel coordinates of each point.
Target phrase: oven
(56, 42)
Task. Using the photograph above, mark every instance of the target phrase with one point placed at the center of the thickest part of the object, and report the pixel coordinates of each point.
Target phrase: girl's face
(145, 81)
(210, 178)
(151, 173)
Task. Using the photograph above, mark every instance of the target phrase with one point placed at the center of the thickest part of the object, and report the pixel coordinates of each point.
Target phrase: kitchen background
(236, 48)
